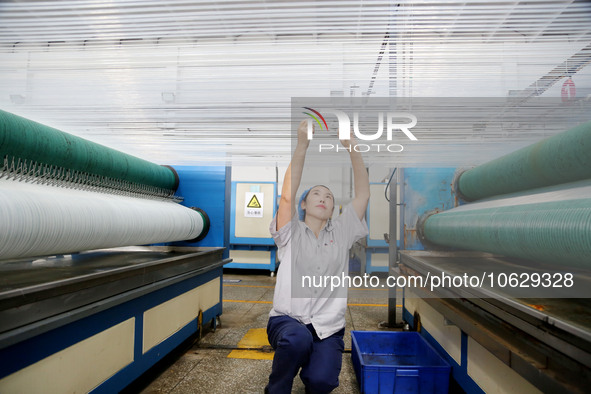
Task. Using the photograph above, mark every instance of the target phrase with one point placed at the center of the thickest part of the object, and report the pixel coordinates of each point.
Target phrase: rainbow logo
(316, 118)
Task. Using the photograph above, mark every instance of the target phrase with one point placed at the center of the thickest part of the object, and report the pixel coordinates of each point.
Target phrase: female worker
(306, 325)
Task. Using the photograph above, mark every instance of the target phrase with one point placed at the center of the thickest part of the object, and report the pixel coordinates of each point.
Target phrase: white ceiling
(41, 20)
(193, 82)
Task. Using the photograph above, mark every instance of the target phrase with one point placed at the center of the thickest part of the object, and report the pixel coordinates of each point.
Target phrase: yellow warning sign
(254, 202)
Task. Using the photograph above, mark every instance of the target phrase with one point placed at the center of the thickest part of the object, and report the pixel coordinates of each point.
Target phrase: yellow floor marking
(264, 287)
(249, 301)
(255, 337)
(367, 304)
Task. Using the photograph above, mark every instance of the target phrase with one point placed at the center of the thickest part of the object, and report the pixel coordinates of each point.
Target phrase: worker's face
(319, 203)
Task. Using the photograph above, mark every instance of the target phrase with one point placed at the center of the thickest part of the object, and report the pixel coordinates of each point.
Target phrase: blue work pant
(297, 346)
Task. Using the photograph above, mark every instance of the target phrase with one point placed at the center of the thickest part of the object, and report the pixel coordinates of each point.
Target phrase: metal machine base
(546, 341)
(95, 321)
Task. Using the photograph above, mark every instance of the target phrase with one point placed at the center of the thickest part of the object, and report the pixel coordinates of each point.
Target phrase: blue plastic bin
(397, 362)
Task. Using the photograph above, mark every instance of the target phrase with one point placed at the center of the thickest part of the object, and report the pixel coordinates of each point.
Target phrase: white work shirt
(303, 255)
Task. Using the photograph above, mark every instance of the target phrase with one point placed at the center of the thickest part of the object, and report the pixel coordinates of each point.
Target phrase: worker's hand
(303, 133)
(347, 143)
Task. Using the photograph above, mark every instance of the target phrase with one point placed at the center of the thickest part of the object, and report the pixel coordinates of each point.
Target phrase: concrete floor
(205, 366)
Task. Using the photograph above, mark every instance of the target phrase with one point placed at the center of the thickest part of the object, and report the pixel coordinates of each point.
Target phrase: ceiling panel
(194, 82)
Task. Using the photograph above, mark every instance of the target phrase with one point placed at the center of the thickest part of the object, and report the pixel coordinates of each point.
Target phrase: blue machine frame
(374, 245)
(207, 188)
(425, 190)
(133, 289)
(474, 320)
(130, 305)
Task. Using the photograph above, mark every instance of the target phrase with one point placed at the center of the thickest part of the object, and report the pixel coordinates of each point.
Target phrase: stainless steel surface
(394, 293)
(50, 289)
(487, 266)
(547, 340)
(570, 314)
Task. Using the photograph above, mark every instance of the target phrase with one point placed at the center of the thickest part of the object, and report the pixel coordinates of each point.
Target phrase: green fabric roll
(28, 140)
(557, 232)
(562, 158)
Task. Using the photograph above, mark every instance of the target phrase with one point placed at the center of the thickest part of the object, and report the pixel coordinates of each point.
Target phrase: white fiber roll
(40, 220)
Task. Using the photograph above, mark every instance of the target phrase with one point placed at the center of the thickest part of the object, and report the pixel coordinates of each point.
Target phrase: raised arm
(360, 179)
(293, 177)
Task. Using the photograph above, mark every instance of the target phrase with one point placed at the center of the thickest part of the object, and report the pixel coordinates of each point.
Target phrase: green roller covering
(556, 232)
(565, 157)
(28, 140)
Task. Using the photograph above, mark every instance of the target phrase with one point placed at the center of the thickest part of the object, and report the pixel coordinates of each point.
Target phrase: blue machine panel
(125, 306)
(375, 246)
(425, 190)
(207, 188)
